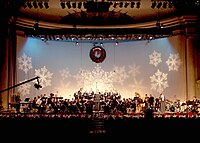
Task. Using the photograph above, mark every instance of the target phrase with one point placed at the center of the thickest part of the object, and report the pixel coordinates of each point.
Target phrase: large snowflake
(64, 73)
(134, 70)
(155, 58)
(173, 62)
(25, 63)
(24, 89)
(44, 76)
(97, 79)
(159, 81)
(119, 74)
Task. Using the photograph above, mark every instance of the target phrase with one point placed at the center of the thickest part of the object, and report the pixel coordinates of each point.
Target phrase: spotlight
(126, 4)
(138, 5)
(165, 4)
(37, 86)
(46, 5)
(115, 5)
(159, 25)
(159, 5)
(170, 5)
(132, 4)
(79, 5)
(29, 5)
(121, 4)
(40, 5)
(74, 4)
(62, 4)
(153, 5)
(35, 5)
(69, 5)
(36, 26)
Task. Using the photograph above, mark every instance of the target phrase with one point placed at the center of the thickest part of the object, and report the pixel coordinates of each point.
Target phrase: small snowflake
(120, 74)
(159, 81)
(134, 70)
(24, 89)
(155, 58)
(44, 76)
(25, 63)
(65, 73)
(173, 62)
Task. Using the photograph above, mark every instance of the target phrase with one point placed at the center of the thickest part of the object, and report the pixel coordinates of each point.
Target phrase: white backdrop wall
(152, 67)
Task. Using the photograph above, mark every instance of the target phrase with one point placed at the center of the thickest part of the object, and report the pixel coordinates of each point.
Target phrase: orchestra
(108, 102)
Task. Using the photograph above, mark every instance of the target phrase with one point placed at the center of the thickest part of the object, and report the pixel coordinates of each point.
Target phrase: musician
(151, 101)
(162, 103)
(17, 100)
(195, 105)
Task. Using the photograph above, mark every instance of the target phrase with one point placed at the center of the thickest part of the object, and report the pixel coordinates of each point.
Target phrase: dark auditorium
(100, 70)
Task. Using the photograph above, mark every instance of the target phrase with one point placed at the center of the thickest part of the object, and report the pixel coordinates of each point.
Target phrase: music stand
(26, 99)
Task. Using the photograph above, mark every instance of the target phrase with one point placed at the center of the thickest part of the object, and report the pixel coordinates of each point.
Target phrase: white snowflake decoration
(97, 79)
(64, 73)
(159, 81)
(155, 58)
(44, 77)
(134, 70)
(25, 63)
(119, 74)
(24, 89)
(173, 62)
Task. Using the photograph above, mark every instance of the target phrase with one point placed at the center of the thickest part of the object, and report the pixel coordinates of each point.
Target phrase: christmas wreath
(97, 54)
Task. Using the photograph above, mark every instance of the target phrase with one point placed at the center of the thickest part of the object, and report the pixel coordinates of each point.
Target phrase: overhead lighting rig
(36, 4)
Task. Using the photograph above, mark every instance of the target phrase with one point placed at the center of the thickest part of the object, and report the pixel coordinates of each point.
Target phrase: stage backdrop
(152, 67)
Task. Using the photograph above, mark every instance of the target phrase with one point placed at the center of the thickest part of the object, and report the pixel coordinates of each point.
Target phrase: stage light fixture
(46, 4)
(170, 4)
(115, 5)
(37, 85)
(121, 4)
(126, 4)
(165, 4)
(35, 5)
(40, 4)
(79, 5)
(68, 5)
(138, 5)
(74, 4)
(159, 5)
(62, 4)
(29, 5)
(36, 26)
(153, 4)
(132, 4)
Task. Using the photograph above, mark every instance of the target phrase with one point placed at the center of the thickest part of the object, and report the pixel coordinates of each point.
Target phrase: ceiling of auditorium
(82, 17)
(90, 13)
